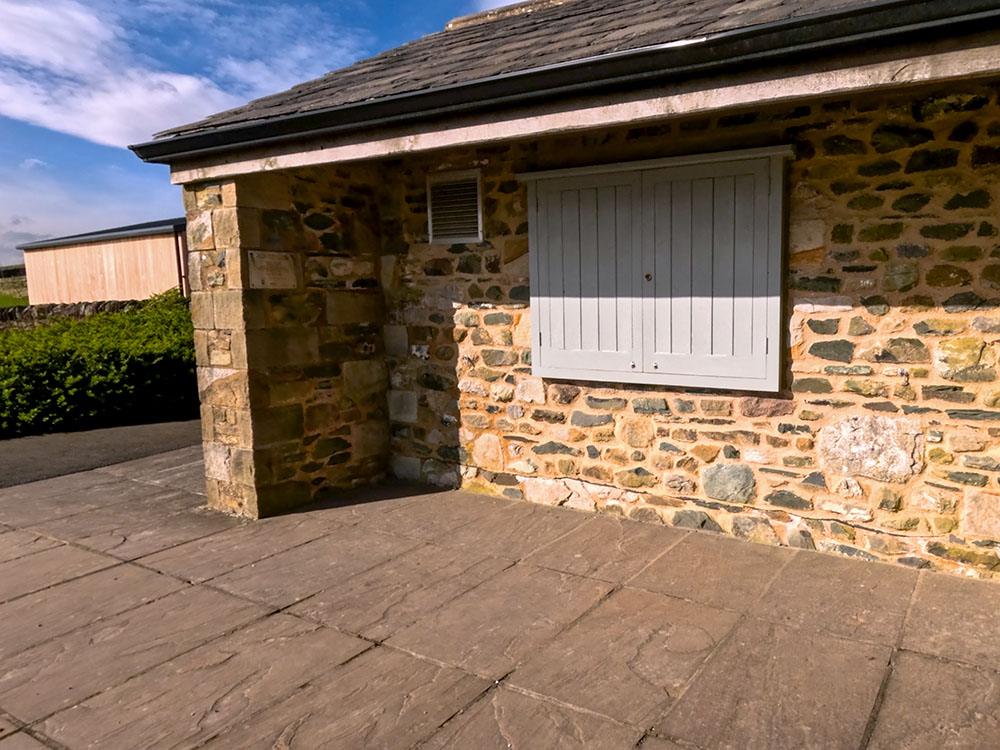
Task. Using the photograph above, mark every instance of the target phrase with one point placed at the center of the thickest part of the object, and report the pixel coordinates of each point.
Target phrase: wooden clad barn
(131, 262)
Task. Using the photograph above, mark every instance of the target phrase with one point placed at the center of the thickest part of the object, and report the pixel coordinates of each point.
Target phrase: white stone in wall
(402, 406)
(888, 449)
(405, 467)
(980, 514)
(531, 390)
(475, 387)
(821, 305)
(487, 453)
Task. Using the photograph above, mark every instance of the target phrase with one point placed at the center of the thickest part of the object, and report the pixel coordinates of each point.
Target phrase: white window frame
(455, 176)
(638, 372)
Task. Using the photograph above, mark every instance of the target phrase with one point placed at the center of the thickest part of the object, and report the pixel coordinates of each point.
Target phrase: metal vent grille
(454, 214)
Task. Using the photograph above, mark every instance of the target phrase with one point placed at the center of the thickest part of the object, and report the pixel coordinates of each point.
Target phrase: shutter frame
(767, 258)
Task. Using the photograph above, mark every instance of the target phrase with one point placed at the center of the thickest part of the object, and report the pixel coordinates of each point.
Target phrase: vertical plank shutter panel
(584, 276)
(708, 308)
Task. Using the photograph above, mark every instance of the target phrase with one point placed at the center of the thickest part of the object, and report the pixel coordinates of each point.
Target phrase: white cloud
(107, 198)
(112, 71)
(32, 163)
(482, 5)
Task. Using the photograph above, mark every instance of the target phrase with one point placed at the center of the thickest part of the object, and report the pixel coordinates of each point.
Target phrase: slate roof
(163, 226)
(518, 38)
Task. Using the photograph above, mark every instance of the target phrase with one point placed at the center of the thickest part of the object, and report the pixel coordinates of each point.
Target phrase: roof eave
(166, 227)
(889, 20)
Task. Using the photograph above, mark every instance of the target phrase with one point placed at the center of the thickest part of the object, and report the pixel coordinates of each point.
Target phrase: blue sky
(82, 79)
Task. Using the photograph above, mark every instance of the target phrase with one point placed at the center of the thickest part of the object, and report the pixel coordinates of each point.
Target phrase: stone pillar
(288, 321)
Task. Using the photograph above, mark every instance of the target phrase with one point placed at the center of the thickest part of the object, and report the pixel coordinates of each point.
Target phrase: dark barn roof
(548, 47)
(163, 226)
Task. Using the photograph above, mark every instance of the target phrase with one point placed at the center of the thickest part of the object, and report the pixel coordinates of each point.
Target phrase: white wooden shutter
(711, 275)
(666, 272)
(585, 283)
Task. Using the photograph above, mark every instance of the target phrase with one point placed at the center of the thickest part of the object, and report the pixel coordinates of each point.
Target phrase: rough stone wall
(885, 442)
(30, 316)
(288, 319)
(14, 286)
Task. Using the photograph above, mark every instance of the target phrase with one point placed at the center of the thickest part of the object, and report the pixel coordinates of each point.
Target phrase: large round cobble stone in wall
(734, 483)
(637, 432)
(888, 449)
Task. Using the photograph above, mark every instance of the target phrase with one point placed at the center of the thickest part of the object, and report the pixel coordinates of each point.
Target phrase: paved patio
(129, 618)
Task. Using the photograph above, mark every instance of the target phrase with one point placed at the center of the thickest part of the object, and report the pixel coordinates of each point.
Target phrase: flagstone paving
(402, 617)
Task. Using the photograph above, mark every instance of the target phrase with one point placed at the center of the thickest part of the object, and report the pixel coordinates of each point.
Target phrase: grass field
(8, 301)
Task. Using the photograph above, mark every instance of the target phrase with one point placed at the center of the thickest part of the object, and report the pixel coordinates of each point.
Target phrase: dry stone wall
(14, 286)
(885, 442)
(30, 316)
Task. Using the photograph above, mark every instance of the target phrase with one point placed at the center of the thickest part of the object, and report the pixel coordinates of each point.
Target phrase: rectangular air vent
(453, 212)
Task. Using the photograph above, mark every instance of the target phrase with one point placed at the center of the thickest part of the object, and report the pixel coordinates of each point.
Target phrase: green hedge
(109, 369)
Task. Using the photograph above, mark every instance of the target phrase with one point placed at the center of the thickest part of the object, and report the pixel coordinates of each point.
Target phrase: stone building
(729, 266)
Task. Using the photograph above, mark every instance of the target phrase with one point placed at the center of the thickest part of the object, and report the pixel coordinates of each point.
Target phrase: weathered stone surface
(466, 632)
(183, 701)
(884, 448)
(637, 432)
(24, 575)
(955, 619)
(958, 712)
(801, 539)
(606, 548)
(755, 530)
(552, 447)
(953, 356)
(859, 327)
(824, 327)
(762, 658)
(869, 603)
(731, 482)
(887, 138)
(811, 385)
(531, 390)
(505, 718)
(640, 666)
(907, 351)
(342, 552)
(695, 519)
(55, 674)
(336, 709)
(900, 276)
(947, 275)
(487, 452)
(582, 419)
(561, 393)
(939, 327)
(636, 478)
(790, 500)
(876, 305)
(766, 407)
(650, 406)
(980, 515)
(606, 404)
(734, 580)
(985, 324)
(838, 351)
(680, 484)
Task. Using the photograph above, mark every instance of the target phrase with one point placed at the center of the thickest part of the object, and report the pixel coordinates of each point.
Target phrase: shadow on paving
(402, 617)
(29, 459)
